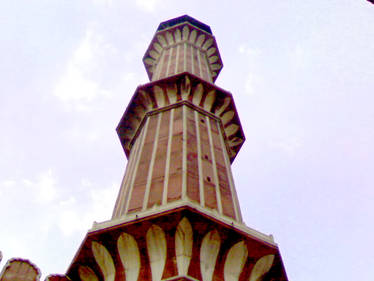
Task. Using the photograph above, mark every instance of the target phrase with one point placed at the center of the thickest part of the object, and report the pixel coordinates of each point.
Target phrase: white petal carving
(157, 47)
(235, 261)
(183, 245)
(172, 93)
(193, 36)
(198, 94)
(227, 117)
(231, 129)
(261, 267)
(221, 109)
(104, 260)
(154, 54)
(156, 247)
(185, 33)
(87, 274)
(209, 100)
(186, 88)
(149, 61)
(216, 66)
(129, 253)
(146, 101)
(211, 51)
(208, 254)
(235, 141)
(159, 96)
(162, 40)
(200, 40)
(177, 35)
(207, 44)
(213, 59)
(169, 38)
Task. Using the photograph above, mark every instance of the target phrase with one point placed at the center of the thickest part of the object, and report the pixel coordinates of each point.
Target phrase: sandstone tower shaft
(177, 215)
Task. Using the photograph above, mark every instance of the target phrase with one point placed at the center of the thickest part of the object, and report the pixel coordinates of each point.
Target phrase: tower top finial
(183, 44)
(183, 19)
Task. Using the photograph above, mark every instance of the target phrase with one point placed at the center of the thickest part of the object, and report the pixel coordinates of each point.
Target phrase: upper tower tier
(181, 45)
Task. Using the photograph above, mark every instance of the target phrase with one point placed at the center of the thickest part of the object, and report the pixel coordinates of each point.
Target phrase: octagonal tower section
(177, 215)
(180, 132)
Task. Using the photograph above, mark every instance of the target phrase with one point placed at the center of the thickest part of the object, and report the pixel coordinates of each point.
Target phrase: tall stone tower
(177, 215)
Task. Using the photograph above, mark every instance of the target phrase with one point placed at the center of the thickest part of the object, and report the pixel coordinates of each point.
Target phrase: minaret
(177, 215)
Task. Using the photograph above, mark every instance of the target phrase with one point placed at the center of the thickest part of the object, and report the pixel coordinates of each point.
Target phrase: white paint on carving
(209, 100)
(185, 88)
(208, 254)
(159, 96)
(185, 32)
(145, 100)
(154, 54)
(224, 106)
(169, 38)
(156, 247)
(198, 94)
(199, 162)
(211, 51)
(235, 261)
(235, 141)
(152, 163)
(130, 257)
(177, 35)
(168, 154)
(162, 40)
(213, 59)
(231, 129)
(193, 36)
(200, 40)
(183, 245)
(216, 66)
(87, 274)
(216, 180)
(157, 47)
(207, 44)
(227, 117)
(171, 91)
(104, 260)
(261, 267)
(149, 61)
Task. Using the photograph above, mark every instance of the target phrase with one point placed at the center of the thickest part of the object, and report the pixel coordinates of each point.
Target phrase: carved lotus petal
(156, 247)
(261, 267)
(235, 261)
(104, 260)
(87, 274)
(208, 254)
(183, 245)
(209, 100)
(130, 257)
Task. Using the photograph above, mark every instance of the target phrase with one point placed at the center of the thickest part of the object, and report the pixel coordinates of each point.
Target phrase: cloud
(287, 144)
(147, 5)
(77, 88)
(41, 190)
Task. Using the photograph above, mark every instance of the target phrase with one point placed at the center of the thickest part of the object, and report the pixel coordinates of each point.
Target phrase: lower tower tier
(180, 244)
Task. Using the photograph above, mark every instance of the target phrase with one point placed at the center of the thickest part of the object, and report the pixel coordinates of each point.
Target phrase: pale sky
(301, 73)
